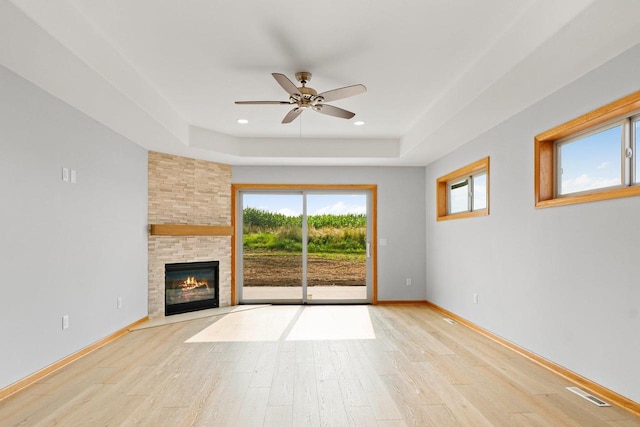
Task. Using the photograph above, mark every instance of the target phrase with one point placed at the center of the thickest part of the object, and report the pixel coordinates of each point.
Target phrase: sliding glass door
(272, 267)
(337, 246)
(304, 246)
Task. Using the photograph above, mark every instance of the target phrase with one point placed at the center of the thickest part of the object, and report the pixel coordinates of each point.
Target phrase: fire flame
(191, 283)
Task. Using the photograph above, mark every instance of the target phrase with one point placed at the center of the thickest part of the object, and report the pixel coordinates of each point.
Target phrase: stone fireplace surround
(187, 192)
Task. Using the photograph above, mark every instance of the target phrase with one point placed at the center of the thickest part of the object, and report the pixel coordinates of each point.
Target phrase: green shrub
(326, 233)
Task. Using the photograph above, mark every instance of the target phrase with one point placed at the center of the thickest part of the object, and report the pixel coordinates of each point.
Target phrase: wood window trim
(441, 190)
(544, 155)
(373, 188)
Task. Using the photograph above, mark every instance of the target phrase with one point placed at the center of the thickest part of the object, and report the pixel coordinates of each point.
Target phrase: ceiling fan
(305, 97)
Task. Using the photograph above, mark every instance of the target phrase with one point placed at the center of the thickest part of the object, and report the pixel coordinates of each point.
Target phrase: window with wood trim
(464, 192)
(590, 158)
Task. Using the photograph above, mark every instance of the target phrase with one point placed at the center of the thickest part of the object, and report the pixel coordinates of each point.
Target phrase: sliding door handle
(368, 249)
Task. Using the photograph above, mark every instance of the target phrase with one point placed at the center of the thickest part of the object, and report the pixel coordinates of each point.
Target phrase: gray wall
(401, 214)
(65, 249)
(561, 282)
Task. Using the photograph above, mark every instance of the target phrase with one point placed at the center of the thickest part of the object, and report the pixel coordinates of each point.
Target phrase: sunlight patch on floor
(295, 323)
(265, 324)
(333, 323)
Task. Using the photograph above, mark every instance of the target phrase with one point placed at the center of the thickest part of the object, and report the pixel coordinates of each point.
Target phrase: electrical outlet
(65, 321)
(73, 176)
(408, 281)
(475, 298)
(119, 303)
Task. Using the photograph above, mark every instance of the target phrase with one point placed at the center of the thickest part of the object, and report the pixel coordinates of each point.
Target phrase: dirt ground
(277, 269)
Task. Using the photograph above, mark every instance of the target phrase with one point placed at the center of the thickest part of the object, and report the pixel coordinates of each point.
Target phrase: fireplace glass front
(191, 286)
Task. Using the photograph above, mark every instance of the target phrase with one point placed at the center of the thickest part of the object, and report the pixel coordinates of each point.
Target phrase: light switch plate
(65, 174)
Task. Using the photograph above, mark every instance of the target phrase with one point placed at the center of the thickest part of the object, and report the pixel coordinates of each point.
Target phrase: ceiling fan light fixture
(358, 123)
(243, 121)
(305, 97)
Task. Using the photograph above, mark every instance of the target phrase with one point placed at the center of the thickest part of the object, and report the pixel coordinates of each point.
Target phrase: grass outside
(324, 240)
(272, 246)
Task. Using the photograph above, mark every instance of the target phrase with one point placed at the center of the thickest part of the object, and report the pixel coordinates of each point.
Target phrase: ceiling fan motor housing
(306, 97)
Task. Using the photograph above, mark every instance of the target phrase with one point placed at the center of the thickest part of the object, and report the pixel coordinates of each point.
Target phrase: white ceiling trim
(29, 51)
(142, 115)
(568, 51)
(54, 47)
(535, 26)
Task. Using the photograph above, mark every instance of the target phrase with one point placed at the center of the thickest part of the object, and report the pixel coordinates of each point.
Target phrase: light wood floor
(419, 370)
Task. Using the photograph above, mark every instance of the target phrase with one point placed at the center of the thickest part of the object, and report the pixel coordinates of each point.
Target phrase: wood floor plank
(350, 387)
(391, 423)
(72, 409)
(528, 420)
(419, 370)
(249, 357)
(360, 416)
(455, 369)
(493, 403)
(378, 397)
(254, 407)
(306, 411)
(409, 405)
(555, 407)
(304, 351)
(411, 385)
(375, 354)
(88, 413)
(464, 411)
(322, 360)
(207, 408)
(331, 405)
(224, 409)
(203, 405)
(438, 415)
(624, 423)
(582, 411)
(281, 391)
(23, 409)
(266, 365)
(279, 416)
(529, 375)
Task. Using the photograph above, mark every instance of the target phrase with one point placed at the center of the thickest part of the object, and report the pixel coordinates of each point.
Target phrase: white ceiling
(166, 73)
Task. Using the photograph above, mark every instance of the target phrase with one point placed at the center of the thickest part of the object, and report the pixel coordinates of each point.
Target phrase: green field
(327, 234)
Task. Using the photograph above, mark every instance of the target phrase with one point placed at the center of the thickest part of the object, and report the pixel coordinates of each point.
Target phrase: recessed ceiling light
(243, 121)
(358, 123)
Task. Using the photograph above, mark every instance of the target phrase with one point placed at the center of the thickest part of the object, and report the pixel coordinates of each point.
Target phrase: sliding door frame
(236, 188)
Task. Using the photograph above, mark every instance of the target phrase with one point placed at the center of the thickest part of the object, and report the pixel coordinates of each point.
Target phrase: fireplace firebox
(190, 286)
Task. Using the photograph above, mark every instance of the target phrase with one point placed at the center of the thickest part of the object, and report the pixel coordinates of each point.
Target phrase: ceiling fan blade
(343, 92)
(286, 84)
(264, 102)
(334, 111)
(292, 115)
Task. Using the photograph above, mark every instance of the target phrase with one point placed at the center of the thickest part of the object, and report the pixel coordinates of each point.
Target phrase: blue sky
(317, 204)
(460, 196)
(591, 162)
